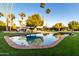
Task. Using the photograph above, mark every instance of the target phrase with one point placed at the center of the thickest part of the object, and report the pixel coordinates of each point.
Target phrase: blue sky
(60, 12)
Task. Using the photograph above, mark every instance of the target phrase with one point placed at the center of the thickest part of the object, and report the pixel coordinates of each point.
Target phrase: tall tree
(2, 24)
(11, 17)
(58, 26)
(48, 11)
(22, 15)
(73, 25)
(42, 5)
(34, 20)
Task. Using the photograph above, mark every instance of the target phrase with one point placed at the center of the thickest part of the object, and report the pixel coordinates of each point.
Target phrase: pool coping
(13, 45)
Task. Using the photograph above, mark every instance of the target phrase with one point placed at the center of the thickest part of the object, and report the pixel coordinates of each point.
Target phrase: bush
(2, 28)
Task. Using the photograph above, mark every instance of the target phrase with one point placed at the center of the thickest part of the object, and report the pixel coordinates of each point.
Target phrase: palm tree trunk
(7, 25)
(10, 28)
(22, 18)
(10, 24)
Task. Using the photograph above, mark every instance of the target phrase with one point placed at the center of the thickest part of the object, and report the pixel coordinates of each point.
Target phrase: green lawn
(69, 46)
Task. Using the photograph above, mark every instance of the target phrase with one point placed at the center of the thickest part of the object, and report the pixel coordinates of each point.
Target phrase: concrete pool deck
(12, 44)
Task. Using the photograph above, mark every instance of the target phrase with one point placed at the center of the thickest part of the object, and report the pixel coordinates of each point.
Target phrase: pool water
(34, 39)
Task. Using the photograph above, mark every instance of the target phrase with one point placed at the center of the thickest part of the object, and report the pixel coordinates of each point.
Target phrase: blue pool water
(49, 39)
(34, 39)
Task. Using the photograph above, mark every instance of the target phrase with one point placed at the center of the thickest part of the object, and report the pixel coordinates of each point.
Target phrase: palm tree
(42, 5)
(10, 19)
(22, 15)
(48, 11)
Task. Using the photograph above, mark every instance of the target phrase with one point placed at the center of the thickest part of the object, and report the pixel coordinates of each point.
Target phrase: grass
(68, 47)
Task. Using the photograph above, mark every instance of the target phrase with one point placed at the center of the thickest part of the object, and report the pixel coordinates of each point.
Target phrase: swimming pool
(33, 40)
